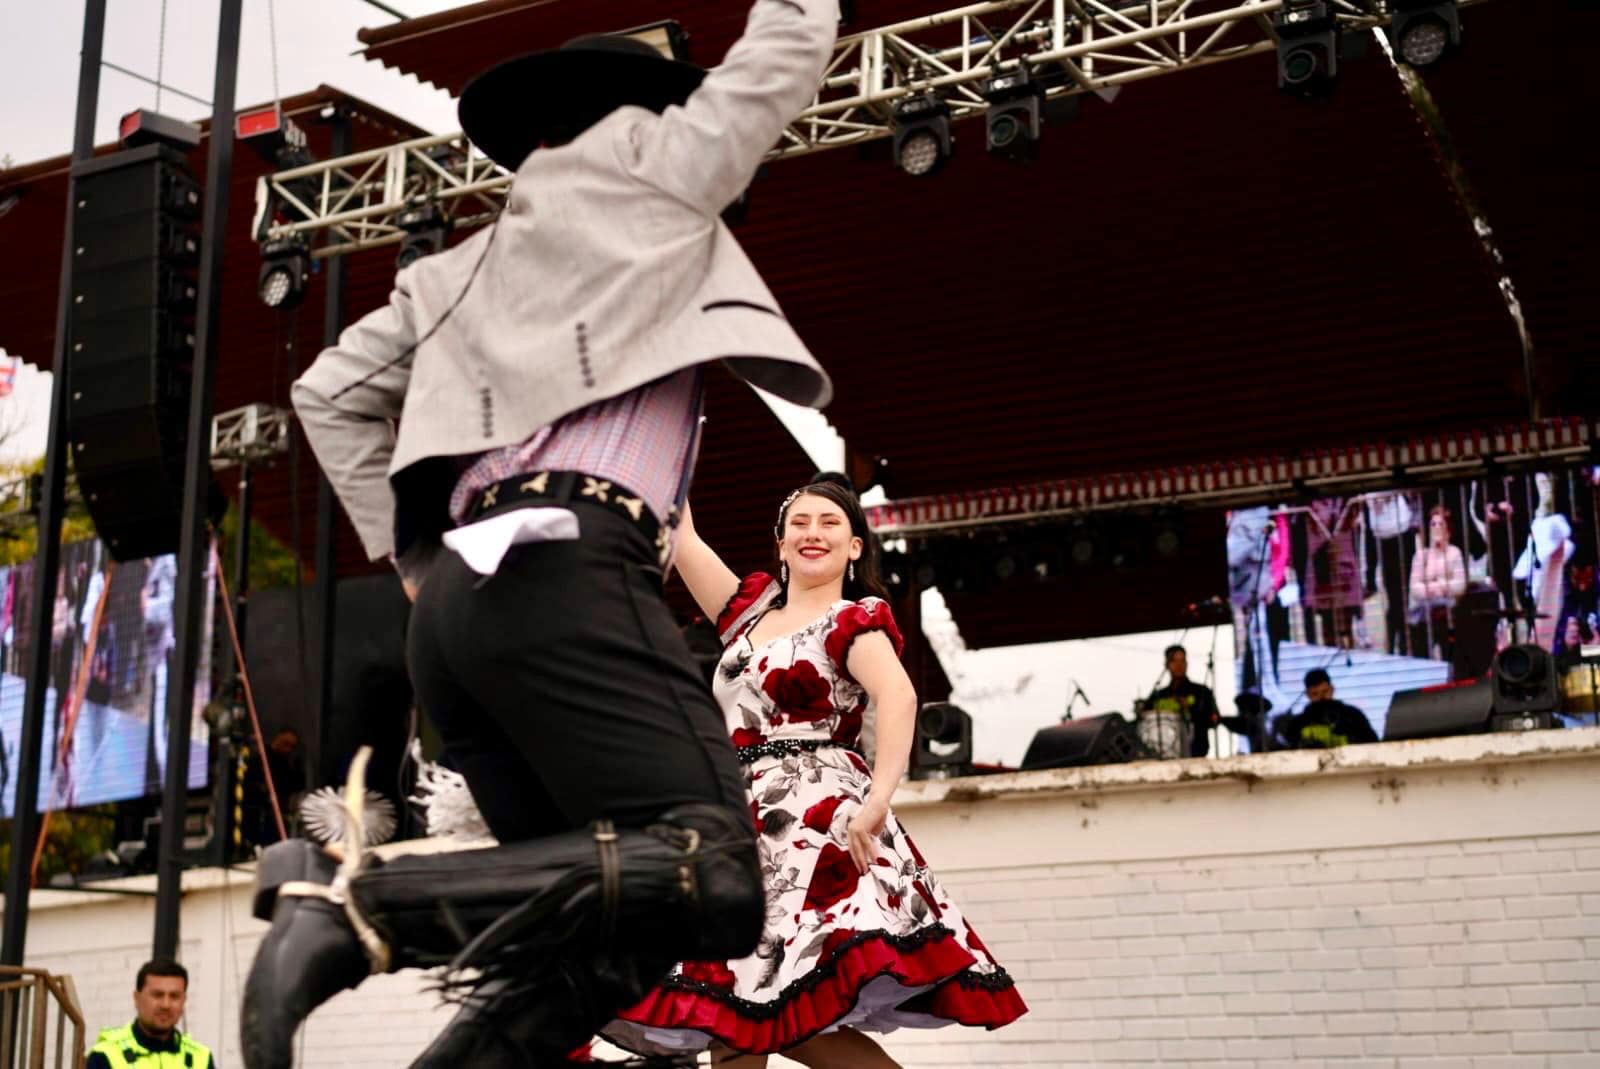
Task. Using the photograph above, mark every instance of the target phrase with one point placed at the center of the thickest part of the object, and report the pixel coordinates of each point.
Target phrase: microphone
(1212, 604)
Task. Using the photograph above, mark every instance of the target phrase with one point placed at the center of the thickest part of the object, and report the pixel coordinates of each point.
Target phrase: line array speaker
(136, 245)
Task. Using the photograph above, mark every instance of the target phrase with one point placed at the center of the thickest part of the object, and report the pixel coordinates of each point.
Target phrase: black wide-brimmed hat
(550, 97)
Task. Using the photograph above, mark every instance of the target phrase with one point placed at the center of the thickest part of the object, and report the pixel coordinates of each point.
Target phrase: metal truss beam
(1071, 46)
(253, 434)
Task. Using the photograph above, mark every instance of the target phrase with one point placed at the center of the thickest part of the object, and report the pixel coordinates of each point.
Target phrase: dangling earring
(850, 572)
(783, 572)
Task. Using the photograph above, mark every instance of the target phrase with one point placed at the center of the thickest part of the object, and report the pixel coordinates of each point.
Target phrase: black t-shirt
(1196, 702)
(1326, 724)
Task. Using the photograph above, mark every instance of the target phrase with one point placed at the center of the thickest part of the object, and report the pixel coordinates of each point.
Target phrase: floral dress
(877, 952)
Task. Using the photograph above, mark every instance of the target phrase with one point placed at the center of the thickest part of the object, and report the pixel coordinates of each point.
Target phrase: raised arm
(873, 664)
(348, 402)
(711, 582)
(706, 152)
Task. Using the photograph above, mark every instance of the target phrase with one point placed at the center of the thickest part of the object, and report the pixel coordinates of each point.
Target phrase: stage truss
(1071, 46)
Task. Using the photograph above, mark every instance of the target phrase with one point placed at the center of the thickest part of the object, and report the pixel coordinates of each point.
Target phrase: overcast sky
(39, 45)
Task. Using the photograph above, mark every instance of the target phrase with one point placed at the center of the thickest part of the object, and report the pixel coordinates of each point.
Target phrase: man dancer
(546, 376)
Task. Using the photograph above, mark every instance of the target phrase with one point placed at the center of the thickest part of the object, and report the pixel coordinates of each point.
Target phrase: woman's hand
(863, 831)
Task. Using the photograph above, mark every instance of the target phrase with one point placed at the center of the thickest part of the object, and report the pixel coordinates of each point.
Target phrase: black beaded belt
(564, 487)
(788, 748)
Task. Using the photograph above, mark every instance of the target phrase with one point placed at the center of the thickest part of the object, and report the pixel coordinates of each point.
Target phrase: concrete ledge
(1250, 769)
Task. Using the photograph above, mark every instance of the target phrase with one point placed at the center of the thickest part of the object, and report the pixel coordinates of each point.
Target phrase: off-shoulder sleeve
(855, 620)
(754, 593)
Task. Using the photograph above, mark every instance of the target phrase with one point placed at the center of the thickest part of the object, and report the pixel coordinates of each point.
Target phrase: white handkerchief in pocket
(484, 544)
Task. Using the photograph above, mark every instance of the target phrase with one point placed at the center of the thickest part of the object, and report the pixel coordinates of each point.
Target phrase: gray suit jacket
(609, 268)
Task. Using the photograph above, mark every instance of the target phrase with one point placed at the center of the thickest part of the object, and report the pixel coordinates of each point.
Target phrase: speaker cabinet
(1460, 708)
(135, 249)
(1095, 740)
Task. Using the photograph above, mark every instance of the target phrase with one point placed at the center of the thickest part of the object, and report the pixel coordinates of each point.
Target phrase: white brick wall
(1430, 904)
(1371, 954)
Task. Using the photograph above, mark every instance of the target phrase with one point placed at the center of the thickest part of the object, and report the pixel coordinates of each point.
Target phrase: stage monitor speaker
(1459, 708)
(1095, 740)
(131, 326)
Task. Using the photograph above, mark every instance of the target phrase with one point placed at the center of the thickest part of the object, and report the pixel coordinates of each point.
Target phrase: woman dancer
(860, 936)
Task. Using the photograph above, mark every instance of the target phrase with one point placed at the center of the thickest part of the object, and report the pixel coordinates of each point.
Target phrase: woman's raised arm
(711, 582)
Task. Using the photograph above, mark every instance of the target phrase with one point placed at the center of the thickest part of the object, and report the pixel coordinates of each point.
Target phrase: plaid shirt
(640, 440)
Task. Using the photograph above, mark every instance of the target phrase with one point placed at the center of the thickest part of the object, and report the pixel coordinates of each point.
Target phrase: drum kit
(1166, 734)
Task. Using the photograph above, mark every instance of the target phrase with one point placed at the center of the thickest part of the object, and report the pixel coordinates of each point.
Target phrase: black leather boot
(572, 919)
(530, 1026)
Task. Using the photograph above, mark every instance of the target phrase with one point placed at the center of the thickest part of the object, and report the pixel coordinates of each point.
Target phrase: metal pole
(192, 546)
(241, 561)
(327, 585)
(225, 752)
(25, 823)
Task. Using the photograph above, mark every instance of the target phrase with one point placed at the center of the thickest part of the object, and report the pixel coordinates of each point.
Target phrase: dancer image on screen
(1438, 580)
(516, 429)
(860, 936)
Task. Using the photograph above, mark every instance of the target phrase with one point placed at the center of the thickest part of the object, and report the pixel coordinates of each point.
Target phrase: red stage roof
(1202, 269)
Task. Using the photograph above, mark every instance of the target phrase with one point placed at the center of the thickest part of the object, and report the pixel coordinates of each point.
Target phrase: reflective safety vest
(122, 1050)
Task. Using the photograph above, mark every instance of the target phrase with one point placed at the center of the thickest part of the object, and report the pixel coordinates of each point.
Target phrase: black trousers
(1395, 556)
(562, 688)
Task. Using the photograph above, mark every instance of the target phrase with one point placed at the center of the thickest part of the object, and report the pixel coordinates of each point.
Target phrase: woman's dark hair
(833, 487)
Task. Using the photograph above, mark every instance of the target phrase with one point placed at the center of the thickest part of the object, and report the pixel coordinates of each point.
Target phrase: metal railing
(35, 1010)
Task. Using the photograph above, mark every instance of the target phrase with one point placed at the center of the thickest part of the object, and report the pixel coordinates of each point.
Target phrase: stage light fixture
(1422, 32)
(943, 741)
(1308, 47)
(281, 281)
(1014, 122)
(1084, 543)
(922, 139)
(1167, 534)
(1526, 689)
(426, 228)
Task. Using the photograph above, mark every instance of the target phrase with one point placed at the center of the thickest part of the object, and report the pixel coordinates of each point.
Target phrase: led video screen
(111, 646)
(1410, 588)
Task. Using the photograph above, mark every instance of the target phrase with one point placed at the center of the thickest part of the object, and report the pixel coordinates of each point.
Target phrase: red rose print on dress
(820, 816)
(747, 737)
(800, 692)
(836, 939)
(849, 726)
(916, 855)
(834, 878)
(713, 973)
(973, 941)
(853, 621)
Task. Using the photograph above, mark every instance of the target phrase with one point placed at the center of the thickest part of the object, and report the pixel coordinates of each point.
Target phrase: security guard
(152, 1039)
